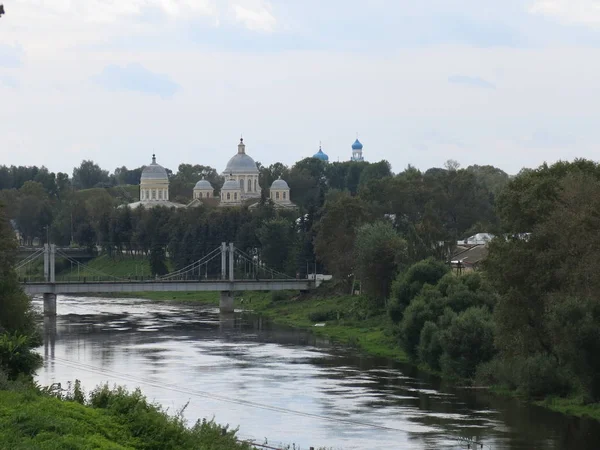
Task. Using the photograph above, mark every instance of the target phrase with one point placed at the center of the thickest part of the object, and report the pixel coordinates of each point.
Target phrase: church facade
(241, 185)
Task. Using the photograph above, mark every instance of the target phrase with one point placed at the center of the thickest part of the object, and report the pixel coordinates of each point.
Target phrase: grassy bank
(111, 419)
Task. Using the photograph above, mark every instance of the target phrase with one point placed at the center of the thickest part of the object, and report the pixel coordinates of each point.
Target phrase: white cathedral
(241, 185)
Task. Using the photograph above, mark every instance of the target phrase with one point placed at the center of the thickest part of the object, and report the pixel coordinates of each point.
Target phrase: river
(283, 384)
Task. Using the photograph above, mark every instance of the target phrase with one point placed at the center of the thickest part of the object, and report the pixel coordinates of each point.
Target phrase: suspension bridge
(239, 271)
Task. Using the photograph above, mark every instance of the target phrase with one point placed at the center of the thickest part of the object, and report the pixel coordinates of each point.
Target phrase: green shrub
(17, 356)
(540, 375)
(280, 296)
(430, 347)
(467, 342)
(324, 316)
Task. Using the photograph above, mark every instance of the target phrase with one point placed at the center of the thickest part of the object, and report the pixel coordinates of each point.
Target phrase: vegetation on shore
(109, 418)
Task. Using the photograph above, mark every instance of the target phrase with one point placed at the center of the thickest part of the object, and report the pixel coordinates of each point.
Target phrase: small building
(279, 193)
(203, 189)
(154, 187)
(231, 193)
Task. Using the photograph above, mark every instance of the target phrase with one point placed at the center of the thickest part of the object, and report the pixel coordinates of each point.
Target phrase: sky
(510, 83)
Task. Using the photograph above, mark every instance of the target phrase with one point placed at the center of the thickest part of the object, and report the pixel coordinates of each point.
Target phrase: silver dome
(241, 163)
(154, 171)
(203, 184)
(279, 184)
(230, 185)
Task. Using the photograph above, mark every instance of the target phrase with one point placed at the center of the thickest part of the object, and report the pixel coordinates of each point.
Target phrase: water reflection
(283, 383)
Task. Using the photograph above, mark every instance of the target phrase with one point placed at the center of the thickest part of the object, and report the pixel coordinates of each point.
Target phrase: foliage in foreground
(111, 418)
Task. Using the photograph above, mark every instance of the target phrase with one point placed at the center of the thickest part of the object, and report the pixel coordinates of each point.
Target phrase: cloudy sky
(511, 83)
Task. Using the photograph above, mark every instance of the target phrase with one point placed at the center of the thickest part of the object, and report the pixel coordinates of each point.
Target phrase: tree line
(527, 321)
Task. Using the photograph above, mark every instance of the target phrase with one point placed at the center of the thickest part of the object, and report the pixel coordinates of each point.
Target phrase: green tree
(158, 260)
(336, 234)
(88, 175)
(18, 335)
(408, 284)
(379, 252)
(276, 237)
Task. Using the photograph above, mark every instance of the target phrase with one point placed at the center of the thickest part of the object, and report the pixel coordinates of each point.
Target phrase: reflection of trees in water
(383, 387)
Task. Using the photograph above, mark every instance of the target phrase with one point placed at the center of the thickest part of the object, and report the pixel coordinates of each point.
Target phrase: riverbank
(111, 419)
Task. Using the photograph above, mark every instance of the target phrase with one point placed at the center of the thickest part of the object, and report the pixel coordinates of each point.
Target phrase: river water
(282, 384)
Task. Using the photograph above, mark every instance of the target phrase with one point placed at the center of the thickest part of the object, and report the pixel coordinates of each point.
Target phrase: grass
(338, 313)
(124, 266)
(573, 406)
(112, 419)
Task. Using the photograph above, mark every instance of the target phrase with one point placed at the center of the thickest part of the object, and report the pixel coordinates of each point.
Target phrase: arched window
(160, 194)
(249, 185)
(277, 195)
(284, 195)
(235, 195)
(241, 184)
(228, 196)
(142, 195)
(255, 185)
(153, 194)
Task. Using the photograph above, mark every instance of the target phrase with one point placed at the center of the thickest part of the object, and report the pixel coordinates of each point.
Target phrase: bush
(408, 285)
(535, 376)
(324, 316)
(540, 375)
(467, 342)
(280, 296)
(17, 356)
(428, 306)
(430, 347)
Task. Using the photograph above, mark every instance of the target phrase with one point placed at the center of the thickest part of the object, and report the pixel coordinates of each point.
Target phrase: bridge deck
(167, 286)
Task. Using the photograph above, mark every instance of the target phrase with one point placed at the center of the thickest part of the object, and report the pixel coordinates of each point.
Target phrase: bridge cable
(86, 267)
(193, 265)
(248, 258)
(29, 258)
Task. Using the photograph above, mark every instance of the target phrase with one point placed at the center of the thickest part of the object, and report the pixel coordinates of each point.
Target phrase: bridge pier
(49, 304)
(226, 302)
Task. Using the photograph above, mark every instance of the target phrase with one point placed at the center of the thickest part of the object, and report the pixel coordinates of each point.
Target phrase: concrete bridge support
(50, 305)
(226, 302)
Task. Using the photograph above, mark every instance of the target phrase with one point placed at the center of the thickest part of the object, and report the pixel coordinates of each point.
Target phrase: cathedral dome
(230, 185)
(279, 184)
(320, 155)
(154, 172)
(357, 145)
(203, 184)
(241, 163)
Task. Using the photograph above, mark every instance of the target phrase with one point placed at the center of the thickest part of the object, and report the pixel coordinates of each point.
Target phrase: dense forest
(527, 321)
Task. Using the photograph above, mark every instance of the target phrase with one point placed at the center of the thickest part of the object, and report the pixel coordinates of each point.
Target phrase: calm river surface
(283, 384)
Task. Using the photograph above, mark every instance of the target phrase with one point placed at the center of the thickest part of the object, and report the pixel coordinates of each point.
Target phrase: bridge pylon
(50, 263)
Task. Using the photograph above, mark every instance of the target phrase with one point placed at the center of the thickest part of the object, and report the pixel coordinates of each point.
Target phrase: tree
(276, 237)
(379, 252)
(336, 234)
(88, 175)
(158, 260)
(548, 280)
(409, 284)
(18, 334)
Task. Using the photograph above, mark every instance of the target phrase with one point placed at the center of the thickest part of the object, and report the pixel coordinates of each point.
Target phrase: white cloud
(108, 11)
(586, 12)
(257, 17)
